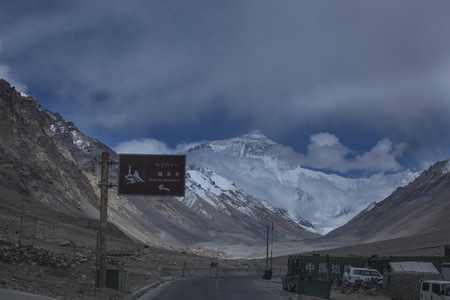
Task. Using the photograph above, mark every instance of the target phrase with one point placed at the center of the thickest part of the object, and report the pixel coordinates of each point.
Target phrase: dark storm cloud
(380, 66)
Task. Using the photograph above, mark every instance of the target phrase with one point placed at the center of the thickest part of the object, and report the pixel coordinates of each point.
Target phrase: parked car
(363, 274)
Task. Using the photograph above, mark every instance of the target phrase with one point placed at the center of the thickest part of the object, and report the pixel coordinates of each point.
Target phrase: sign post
(156, 175)
(139, 174)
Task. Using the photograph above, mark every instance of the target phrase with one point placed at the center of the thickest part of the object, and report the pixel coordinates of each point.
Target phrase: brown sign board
(156, 175)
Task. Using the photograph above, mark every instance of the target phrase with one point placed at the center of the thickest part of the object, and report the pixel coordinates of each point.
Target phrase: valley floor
(70, 274)
(61, 262)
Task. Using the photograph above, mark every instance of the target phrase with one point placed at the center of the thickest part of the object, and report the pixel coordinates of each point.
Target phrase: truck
(434, 289)
(408, 285)
(418, 286)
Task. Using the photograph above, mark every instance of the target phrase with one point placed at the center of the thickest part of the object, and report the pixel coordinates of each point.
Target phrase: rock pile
(16, 254)
(54, 274)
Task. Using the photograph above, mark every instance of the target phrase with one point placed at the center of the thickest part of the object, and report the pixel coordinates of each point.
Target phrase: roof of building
(412, 266)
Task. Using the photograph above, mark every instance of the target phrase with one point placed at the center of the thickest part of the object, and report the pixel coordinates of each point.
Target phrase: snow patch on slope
(324, 201)
(446, 168)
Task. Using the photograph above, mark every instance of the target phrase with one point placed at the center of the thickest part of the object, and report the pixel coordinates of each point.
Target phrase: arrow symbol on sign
(163, 188)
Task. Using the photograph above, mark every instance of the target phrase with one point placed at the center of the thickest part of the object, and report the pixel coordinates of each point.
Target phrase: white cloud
(324, 139)
(382, 157)
(144, 146)
(325, 151)
(151, 146)
(6, 74)
(308, 67)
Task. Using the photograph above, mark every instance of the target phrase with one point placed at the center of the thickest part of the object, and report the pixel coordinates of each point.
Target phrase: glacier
(255, 164)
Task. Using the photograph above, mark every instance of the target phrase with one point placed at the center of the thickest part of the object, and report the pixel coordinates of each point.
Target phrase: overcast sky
(348, 85)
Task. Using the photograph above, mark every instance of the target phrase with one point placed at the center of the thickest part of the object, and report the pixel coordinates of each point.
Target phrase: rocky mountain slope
(420, 208)
(49, 197)
(38, 158)
(50, 168)
(234, 189)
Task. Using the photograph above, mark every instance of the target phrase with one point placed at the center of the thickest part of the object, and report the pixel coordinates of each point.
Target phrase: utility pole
(103, 220)
(271, 249)
(267, 272)
(267, 248)
(21, 227)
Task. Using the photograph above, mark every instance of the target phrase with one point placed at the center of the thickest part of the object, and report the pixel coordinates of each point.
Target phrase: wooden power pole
(103, 220)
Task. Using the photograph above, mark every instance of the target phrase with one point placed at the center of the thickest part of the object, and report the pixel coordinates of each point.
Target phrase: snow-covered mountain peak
(252, 144)
(255, 165)
(446, 167)
(254, 135)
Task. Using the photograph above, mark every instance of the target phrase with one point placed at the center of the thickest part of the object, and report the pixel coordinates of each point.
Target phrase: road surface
(14, 295)
(213, 288)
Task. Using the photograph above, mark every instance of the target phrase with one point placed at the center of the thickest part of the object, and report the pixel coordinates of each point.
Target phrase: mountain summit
(234, 189)
(52, 169)
(315, 200)
(252, 144)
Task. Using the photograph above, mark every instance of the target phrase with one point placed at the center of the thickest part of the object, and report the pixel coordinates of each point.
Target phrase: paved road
(14, 295)
(214, 288)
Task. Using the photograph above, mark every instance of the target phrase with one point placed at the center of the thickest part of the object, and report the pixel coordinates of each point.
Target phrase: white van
(363, 274)
(434, 289)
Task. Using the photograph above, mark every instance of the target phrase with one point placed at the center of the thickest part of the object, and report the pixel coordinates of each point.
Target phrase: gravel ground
(71, 274)
(61, 261)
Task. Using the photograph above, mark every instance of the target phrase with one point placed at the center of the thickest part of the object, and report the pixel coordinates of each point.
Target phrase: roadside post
(268, 271)
(104, 185)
